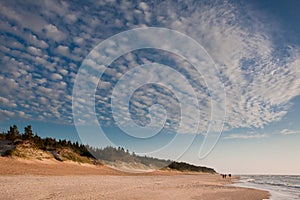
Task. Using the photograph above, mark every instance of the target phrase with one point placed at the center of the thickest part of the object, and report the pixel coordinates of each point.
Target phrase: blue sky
(254, 45)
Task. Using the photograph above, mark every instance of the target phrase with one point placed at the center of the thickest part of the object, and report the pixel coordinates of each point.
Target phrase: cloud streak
(289, 132)
(245, 136)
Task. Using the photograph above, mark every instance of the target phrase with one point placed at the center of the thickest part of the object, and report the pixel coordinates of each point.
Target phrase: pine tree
(28, 132)
(13, 132)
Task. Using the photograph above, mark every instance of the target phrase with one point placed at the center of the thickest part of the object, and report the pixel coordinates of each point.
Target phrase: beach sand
(50, 179)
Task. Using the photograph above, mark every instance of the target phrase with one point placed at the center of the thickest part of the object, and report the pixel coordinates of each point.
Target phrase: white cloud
(42, 81)
(38, 43)
(144, 6)
(45, 90)
(71, 18)
(63, 71)
(246, 136)
(4, 100)
(56, 76)
(6, 114)
(43, 100)
(8, 85)
(104, 85)
(64, 50)
(23, 115)
(7, 103)
(34, 50)
(78, 40)
(289, 132)
(53, 32)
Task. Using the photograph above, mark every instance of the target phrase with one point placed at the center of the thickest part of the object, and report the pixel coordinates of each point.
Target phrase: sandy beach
(49, 179)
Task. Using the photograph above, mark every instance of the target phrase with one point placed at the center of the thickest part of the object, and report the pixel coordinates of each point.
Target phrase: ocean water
(281, 187)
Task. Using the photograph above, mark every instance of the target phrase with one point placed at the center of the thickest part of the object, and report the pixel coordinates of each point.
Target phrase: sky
(213, 83)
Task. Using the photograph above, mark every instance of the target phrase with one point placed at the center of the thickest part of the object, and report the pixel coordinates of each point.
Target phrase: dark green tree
(13, 132)
(28, 132)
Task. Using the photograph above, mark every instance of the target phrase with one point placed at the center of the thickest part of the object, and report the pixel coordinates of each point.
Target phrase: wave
(280, 181)
(277, 184)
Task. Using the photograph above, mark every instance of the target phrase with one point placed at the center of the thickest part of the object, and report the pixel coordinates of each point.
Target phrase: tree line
(46, 144)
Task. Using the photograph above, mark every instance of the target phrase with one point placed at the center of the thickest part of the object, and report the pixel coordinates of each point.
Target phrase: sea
(281, 187)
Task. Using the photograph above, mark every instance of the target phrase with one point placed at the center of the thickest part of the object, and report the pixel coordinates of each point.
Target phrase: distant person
(229, 175)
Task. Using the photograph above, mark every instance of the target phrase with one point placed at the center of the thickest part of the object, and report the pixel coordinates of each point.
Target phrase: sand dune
(23, 179)
(17, 166)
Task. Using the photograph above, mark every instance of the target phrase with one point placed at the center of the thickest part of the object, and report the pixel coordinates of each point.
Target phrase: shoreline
(279, 186)
(67, 180)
